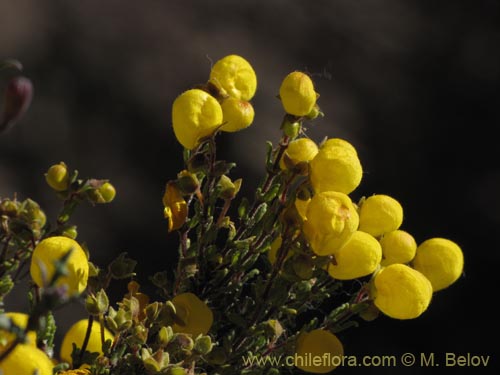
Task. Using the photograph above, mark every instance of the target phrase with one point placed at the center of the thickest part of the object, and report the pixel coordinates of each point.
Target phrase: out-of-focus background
(413, 85)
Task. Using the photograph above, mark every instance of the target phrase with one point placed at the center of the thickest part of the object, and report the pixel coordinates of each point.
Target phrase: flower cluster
(266, 275)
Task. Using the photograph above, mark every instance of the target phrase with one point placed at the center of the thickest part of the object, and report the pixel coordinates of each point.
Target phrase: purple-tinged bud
(17, 100)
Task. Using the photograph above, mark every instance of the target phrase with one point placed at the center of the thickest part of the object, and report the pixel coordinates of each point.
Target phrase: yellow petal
(176, 210)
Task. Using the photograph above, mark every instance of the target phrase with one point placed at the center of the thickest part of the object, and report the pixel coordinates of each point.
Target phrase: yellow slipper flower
(235, 76)
(195, 115)
(360, 256)
(76, 335)
(336, 167)
(52, 249)
(237, 114)
(380, 214)
(440, 260)
(300, 150)
(25, 360)
(318, 352)
(57, 177)
(331, 220)
(297, 94)
(397, 247)
(194, 316)
(20, 320)
(401, 292)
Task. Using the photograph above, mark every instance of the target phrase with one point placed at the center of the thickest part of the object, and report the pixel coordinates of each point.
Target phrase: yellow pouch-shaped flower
(297, 94)
(331, 220)
(402, 292)
(52, 249)
(76, 335)
(336, 167)
(20, 320)
(360, 256)
(235, 76)
(318, 346)
(440, 260)
(300, 150)
(176, 209)
(25, 360)
(397, 247)
(195, 315)
(195, 115)
(380, 214)
(237, 114)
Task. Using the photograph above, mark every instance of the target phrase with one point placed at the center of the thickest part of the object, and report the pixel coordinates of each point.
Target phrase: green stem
(87, 338)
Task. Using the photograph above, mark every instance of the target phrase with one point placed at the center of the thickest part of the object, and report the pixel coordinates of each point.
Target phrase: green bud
(97, 304)
(152, 311)
(217, 356)
(184, 341)
(176, 371)
(303, 267)
(122, 267)
(70, 232)
(57, 177)
(291, 127)
(9, 208)
(203, 345)
(187, 182)
(315, 113)
(228, 189)
(275, 328)
(197, 163)
(165, 335)
(370, 313)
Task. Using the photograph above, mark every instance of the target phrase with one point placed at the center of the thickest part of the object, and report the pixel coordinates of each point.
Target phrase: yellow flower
(397, 247)
(75, 372)
(339, 142)
(440, 260)
(297, 94)
(20, 320)
(380, 214)
(195, 115)
(318, 344)
(402, 292)
(176, 210)
(194, 316)
(235, 76)
(76, 335)
(360, 256)
(237, 114)
(301, 206)
(25, 360)
(300, 150)
(51, 250)
(336, 167)
(58, 177)
(331, 220)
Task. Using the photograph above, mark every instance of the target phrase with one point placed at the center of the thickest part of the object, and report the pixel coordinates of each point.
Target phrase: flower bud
(97, 304)
(16, 102)
(235, 76)
(203, 345)
(165, 335)
(187, 182)
(228, 188)
(297, 94)
(9, 207)
(58, 177)
(70, 232)
(291, 127)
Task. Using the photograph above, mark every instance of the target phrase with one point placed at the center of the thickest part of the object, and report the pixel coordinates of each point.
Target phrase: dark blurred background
(413, 85)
